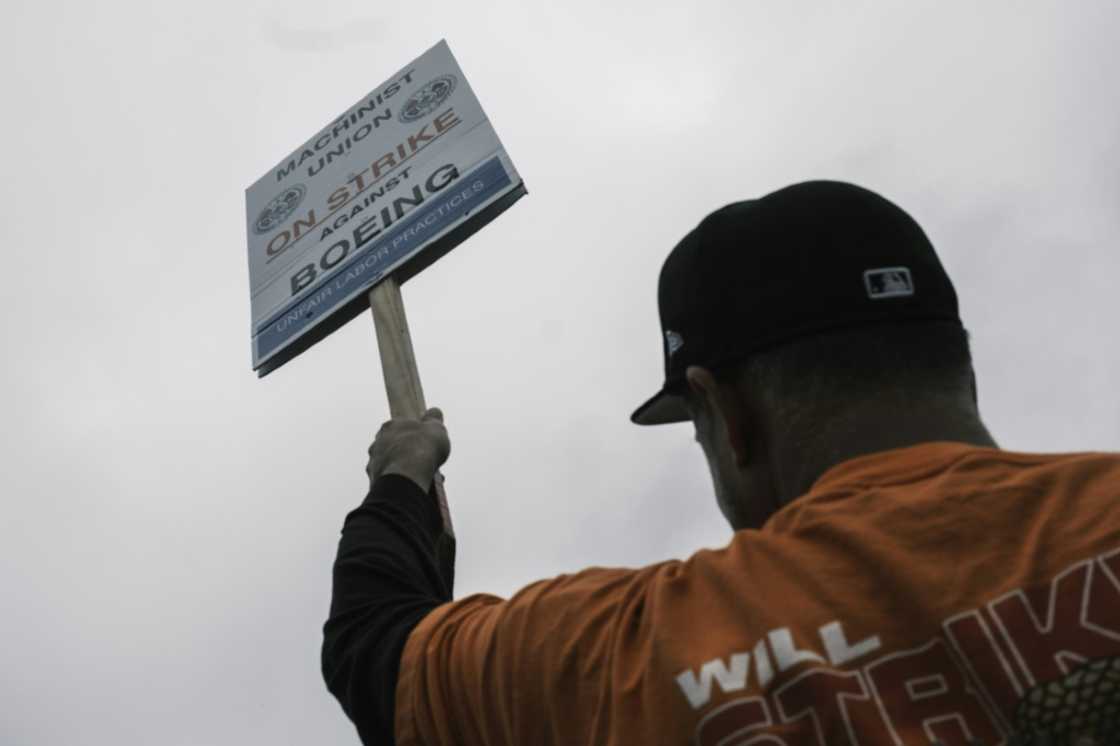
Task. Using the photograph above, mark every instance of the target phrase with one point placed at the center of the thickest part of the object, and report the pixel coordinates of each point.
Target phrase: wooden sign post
(398, 365)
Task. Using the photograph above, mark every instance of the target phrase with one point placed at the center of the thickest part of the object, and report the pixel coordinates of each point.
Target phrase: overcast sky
(170, 520)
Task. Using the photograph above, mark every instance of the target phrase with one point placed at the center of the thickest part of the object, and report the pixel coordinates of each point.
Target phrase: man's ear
(702, 387)
(735, 418)
(722, 402)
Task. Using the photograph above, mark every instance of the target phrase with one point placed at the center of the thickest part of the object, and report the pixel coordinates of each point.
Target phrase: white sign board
(412, 167)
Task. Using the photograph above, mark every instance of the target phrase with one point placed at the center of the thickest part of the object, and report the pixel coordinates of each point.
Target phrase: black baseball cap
(807, 259)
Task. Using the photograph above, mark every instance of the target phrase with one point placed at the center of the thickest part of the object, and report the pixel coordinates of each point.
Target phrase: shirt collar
(896, 466)
(880, 469)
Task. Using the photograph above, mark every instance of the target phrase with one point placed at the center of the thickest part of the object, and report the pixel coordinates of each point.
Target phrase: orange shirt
(940, 591)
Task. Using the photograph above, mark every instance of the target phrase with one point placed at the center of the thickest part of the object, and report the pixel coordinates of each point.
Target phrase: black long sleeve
(394, 565)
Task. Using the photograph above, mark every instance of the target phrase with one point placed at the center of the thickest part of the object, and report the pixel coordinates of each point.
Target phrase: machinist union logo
(278, 210)
(431, 95)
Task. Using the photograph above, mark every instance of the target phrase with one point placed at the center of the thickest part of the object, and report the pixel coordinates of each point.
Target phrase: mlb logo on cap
(888, 282)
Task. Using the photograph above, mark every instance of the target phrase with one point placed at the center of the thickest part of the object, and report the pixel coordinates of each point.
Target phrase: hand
(411, 448)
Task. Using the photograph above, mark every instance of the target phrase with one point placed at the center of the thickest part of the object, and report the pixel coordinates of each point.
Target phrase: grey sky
(170, 520)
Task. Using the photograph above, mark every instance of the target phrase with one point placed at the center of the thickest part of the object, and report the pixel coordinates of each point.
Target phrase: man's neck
(857, 433)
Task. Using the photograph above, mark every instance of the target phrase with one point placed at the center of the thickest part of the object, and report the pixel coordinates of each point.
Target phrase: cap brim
(664, 408)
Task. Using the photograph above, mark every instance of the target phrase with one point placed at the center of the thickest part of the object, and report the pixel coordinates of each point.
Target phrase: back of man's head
(825, 374)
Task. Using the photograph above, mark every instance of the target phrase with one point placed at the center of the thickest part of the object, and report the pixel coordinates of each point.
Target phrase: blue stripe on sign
(366, 267)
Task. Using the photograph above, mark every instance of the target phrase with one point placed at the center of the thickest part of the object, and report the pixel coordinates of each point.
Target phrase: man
(894, 577)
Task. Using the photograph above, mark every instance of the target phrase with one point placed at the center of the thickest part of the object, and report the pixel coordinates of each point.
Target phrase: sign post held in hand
(398, 366)
(398, 362)
(376, 196)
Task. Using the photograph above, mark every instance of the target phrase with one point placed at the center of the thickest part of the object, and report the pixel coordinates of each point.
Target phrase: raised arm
(394, 566)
